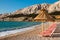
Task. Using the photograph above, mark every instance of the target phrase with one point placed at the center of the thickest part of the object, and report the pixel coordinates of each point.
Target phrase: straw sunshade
(43, 16)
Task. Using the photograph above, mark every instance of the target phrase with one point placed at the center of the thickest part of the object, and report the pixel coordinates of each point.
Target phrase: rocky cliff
(32, 9)
(30, 12)
(54, 7)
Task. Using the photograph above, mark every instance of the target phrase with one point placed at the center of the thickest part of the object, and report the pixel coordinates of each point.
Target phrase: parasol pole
(42, 26)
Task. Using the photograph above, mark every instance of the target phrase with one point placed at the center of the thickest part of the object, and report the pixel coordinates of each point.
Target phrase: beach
(29, 34)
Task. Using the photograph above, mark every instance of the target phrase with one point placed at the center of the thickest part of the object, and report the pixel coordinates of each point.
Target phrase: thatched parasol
(43, 16)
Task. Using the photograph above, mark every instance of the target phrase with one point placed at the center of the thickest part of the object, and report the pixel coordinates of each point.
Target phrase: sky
(7, 6)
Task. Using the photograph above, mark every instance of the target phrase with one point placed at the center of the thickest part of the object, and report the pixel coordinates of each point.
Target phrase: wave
(4, 33)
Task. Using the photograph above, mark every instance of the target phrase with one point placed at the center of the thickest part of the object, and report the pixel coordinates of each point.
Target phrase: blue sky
(7, 6)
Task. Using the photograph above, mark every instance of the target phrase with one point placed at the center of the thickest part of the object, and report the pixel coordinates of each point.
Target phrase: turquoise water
(5, 26)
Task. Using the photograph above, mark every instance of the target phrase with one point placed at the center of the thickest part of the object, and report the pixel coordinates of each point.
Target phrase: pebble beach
(27, 34)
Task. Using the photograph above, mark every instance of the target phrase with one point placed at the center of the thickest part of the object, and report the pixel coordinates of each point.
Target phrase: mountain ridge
(34, 9)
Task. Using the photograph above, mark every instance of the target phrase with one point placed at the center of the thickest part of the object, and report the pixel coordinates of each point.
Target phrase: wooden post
(42, 26)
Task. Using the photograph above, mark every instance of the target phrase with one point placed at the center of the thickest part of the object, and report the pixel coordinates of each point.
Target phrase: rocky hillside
(28, 12)
(32, 9)
(35, 8)
(54, 7)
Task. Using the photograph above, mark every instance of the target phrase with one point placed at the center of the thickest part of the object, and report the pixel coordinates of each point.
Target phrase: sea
(12, 25)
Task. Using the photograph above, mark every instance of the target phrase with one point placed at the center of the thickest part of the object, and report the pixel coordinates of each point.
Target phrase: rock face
(54, 7)
(30, 12)
(32, 9)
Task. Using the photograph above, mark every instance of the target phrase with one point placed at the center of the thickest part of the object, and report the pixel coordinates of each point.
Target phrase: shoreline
(14, 32)
(32, 31)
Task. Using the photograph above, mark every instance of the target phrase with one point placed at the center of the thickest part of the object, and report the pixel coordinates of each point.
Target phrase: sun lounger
(49, 31)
